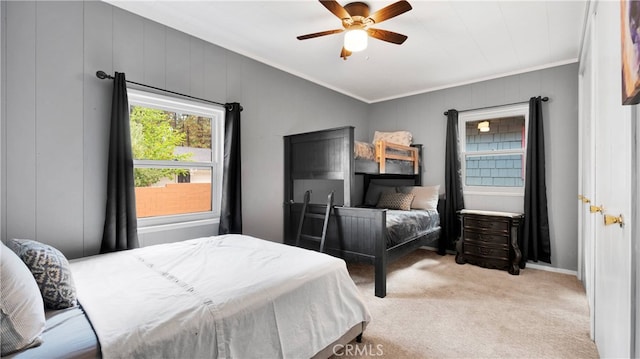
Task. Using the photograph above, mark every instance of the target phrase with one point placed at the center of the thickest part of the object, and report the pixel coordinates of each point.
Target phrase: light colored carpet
(436, 308)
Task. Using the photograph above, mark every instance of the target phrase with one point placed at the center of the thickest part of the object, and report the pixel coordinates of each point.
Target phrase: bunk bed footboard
(357, 235)
(362, 234)
(363, 230)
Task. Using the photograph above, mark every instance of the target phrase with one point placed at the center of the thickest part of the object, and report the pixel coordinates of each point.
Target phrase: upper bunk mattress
(367, 151)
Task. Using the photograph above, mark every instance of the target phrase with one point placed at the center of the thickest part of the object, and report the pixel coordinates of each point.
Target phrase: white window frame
(489, 114)
(180, 105)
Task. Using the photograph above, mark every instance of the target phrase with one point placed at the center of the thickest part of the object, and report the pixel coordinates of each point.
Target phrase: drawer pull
(485, 251)
(488, 238)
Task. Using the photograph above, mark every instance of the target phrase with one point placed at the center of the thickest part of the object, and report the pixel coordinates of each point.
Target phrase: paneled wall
(423, 115)
(55, 116)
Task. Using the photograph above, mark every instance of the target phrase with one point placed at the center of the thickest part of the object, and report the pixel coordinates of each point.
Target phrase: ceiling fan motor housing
(357, 9)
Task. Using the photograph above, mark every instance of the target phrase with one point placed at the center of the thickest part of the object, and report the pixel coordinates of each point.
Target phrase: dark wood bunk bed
(355, 233)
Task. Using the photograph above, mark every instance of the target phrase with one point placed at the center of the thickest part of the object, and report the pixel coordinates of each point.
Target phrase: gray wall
(56, 114)
(423, 115)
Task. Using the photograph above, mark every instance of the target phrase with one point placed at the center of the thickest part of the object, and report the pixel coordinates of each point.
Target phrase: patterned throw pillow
(396, 201)
(51, 270)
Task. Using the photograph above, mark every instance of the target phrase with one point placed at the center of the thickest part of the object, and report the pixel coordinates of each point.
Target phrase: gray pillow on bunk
(374, 191)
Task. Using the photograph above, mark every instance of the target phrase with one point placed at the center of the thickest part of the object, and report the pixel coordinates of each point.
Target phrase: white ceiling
(449, 43)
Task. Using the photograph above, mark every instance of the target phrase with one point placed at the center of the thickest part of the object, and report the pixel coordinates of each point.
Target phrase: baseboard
(551, 269)
(529, 264)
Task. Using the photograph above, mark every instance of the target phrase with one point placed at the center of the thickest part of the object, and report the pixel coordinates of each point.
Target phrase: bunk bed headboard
(320, 155)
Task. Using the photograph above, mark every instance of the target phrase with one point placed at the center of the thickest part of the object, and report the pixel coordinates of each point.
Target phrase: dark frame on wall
(630, 51)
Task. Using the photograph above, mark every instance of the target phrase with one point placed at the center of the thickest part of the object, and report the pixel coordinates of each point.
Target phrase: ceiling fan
(357, 22)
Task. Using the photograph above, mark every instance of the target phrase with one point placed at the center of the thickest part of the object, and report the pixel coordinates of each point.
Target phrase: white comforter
(230, 296)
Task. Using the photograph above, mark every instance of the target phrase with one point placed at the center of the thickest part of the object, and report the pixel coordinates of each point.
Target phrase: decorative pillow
(51, 270)
(395, 201)
(425, 197)
(398, 137)
(374, 191)
(22, 311)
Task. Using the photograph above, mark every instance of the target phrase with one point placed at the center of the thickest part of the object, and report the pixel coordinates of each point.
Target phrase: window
(493, 143)
(177, 158)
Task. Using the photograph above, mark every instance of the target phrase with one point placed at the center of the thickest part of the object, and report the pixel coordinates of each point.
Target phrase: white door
(613, 249)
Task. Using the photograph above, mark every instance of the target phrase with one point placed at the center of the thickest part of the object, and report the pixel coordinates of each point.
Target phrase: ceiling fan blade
(390, 11)
(336, 9)
(345, 53)
(317, 34)
(386, 35)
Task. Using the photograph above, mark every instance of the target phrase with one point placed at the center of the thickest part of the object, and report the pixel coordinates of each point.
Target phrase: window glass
(187, 190)
(177, 149)
(489, 136)
(493, 143)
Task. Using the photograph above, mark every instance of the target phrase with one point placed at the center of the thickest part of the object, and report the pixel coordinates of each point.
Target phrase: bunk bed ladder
(325, 217)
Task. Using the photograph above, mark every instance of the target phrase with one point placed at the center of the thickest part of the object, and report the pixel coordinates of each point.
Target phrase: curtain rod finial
(102, 75)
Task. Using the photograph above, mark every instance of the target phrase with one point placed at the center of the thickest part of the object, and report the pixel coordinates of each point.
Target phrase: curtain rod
(103, 75)
(545, 99)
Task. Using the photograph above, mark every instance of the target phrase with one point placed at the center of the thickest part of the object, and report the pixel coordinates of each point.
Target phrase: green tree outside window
(154, 138)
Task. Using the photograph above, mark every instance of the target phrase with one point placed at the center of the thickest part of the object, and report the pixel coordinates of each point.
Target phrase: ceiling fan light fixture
(355, 40)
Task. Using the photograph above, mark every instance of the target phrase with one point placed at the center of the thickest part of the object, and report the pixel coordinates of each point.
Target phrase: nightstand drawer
(472, 222)
(484, 237)
(493, 252)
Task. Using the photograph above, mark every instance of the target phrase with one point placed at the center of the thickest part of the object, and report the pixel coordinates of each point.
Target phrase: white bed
(231, 296)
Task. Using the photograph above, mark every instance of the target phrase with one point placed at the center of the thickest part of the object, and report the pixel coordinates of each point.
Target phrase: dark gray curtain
(231, 209)
(535, 243)
(453, 186)
(120, 223)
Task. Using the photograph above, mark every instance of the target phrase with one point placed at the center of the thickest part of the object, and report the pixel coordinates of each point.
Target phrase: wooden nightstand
(490, 239)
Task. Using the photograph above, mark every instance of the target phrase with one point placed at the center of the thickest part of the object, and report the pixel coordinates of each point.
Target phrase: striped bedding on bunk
(406, 225)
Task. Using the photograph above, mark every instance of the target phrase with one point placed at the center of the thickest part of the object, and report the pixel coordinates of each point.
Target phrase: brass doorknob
(584, 199)
(609, 219)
